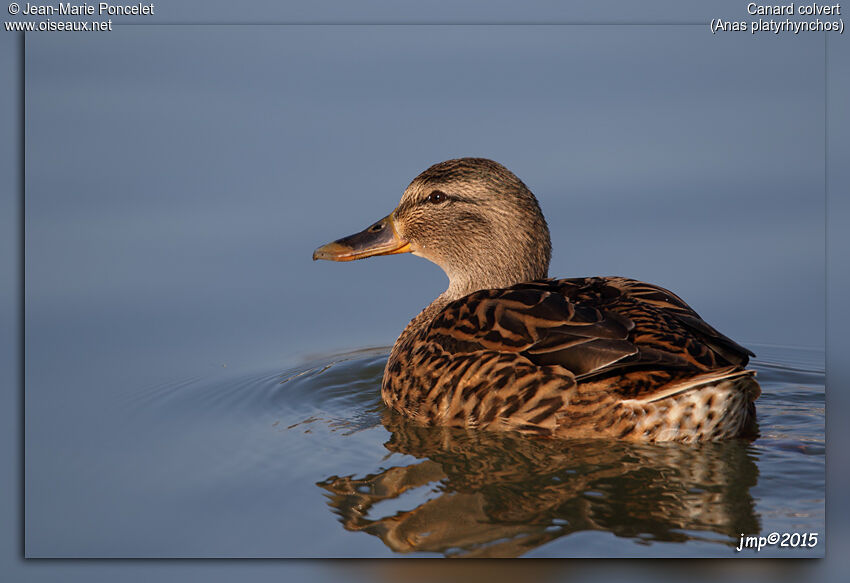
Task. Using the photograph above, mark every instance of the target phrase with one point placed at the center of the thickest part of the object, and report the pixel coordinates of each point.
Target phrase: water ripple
(456, 492)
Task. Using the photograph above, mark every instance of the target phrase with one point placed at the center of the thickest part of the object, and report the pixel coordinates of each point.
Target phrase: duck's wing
(592, 327)
(653, 296)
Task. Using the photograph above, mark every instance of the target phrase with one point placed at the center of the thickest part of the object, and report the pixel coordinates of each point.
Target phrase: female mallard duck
(505, 348)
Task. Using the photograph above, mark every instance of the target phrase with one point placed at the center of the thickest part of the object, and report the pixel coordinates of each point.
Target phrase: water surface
(319, 467)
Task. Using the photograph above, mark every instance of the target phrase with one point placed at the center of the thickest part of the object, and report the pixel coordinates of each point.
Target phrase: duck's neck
(472, 280)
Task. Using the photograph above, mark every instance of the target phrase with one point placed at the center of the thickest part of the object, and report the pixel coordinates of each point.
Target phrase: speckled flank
(573, 358)
(719, 410)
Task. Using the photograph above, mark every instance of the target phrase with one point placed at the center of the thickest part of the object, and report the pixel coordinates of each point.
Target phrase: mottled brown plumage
(504, 348)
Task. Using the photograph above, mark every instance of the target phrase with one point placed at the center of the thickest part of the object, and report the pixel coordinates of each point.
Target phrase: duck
(507, 348)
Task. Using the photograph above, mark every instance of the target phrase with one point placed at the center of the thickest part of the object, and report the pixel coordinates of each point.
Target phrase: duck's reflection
(486, 494)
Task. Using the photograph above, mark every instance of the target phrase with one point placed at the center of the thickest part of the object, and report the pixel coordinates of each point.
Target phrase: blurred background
(179, 179)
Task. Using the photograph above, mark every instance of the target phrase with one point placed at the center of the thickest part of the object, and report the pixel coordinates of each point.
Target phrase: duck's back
(574, 357)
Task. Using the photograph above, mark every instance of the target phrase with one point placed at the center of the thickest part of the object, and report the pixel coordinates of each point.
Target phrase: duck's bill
(378, 239)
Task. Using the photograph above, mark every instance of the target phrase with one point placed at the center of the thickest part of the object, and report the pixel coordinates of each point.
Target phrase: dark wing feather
(590, 327)
(665, 300)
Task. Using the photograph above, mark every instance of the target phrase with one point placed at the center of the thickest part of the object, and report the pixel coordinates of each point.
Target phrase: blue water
(308, 462)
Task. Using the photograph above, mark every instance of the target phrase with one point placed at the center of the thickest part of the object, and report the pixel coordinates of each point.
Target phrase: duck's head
(471, 216)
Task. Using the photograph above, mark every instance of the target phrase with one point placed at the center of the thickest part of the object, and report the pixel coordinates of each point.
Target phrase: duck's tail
(717, 377)
(707, 407)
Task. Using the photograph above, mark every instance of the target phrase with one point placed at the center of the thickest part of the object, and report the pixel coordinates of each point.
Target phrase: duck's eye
(436, 197)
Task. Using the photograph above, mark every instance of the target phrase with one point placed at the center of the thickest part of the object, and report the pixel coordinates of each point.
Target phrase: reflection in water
(490, 494)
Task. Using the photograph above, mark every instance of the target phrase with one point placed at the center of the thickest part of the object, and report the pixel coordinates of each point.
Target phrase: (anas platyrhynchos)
(506, 348)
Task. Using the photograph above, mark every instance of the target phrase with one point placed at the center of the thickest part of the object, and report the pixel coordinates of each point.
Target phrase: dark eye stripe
(442, 197)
